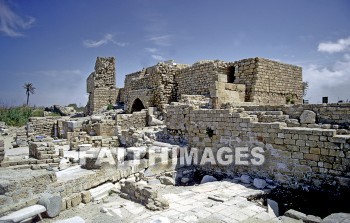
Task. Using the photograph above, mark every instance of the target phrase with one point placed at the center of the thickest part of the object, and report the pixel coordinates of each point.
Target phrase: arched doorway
(137, 105)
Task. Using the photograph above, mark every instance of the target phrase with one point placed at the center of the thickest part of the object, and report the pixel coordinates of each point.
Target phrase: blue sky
(54, 44)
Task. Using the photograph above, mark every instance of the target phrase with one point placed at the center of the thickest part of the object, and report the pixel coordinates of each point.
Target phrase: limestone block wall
(135, 120)
(245, 72)
(106, 128)
(315, 157)
(227, 92)
(101, 97)
(199, 79)
(24, 191)
(177, 119)
(157, 81)
(257, 80)
(43, 151)
(22, 188)
(268, 81)
(44, 125)
(105, 72)
(101, 84)
(337, 113)
(199, 101)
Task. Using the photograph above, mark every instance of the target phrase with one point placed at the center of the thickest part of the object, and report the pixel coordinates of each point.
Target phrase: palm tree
(29, 90)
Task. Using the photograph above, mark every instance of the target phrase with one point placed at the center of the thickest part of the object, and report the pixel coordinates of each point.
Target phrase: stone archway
(137, 105)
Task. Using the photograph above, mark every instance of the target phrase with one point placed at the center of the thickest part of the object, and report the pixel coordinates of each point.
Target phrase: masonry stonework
(255, 80)
(314, 156)
(101, 85)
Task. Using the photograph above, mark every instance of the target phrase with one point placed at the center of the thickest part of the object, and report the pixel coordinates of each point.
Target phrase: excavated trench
(310, 202)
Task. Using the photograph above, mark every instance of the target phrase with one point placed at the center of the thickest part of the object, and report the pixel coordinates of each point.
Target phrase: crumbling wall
(106, 128)
(292, 154)
(156, 84)
(44, 125)
(211, 79)
(43, 151)
(134, 120)
(101, 85)
(144, 194)
(337, 113)
(177, 120)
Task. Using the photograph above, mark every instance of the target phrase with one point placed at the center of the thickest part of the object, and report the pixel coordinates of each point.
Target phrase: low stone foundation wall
(310, 156)
(43, 125)
(22, 189)
(19, 189)
(144, 194)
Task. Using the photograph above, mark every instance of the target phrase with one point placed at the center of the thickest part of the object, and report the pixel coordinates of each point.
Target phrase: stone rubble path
(186, 204)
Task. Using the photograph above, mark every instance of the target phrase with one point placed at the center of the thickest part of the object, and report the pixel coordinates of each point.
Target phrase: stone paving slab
(191, 204)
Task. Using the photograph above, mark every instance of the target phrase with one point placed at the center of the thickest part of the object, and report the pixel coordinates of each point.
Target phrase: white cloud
(333, 81)
(163, 40)
(341, 45)
(151, 50)
(158, 57)
(12, 24)
(108, 38)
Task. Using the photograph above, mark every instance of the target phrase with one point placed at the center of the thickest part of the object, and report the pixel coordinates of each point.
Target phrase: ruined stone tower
(101, 85)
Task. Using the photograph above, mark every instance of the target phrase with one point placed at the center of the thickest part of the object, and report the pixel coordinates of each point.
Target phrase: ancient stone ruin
(101, 85)
(240, 127)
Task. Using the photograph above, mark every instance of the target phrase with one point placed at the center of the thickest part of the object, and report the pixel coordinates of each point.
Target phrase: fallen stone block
(167, 180)
(272, 208)
(245, 179)
(100, 192)
(285, 219)
(295, 214)
(259, 183)
(185, 180)
(157, 204)
(24, 214)
(52, 203)
(86, 197)
(84, 147)
(207, 179)
(336, 217)
(153, 121)
(307, 117)
(76, 199)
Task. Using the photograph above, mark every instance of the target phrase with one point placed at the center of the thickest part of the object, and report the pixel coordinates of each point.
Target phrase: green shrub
(110, 107)
(37, 113)
(15, 116)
